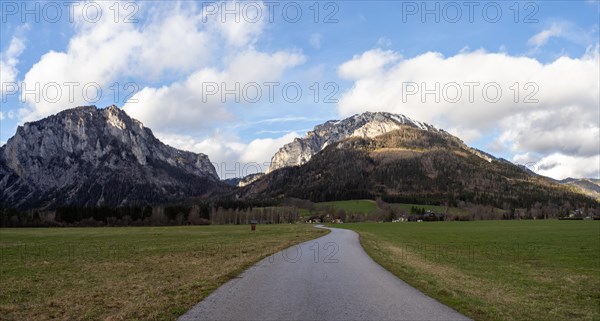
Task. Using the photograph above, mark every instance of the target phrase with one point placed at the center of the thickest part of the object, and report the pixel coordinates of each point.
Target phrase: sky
(238, 80)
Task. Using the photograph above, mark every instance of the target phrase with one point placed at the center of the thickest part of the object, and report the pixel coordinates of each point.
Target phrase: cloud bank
(544, 113)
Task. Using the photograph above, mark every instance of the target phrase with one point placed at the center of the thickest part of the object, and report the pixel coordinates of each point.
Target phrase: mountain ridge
(89, 156)
(365, 125)
(588, 186)
(411, 163)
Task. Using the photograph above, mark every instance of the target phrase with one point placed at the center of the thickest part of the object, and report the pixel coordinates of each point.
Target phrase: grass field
(496, 270)
(434, 208)
(147, 273)
(369, 206)
(354, 206)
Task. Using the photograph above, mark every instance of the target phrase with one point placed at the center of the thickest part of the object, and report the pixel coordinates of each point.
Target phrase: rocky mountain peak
(365, 125)
(89, 150)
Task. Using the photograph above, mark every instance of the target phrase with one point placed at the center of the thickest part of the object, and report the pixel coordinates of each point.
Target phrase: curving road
(339, 281)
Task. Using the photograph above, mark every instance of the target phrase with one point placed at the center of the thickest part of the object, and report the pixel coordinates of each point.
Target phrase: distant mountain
(232, 181)
(90, 157)
(589, 186)
(243, 181)
(399, 159)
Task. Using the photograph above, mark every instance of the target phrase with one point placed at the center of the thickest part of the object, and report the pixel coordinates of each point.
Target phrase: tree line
(190, 212)
(279, 211)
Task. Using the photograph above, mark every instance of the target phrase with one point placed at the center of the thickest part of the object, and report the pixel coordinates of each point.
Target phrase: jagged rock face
(89, 156)
(366, 125)
(249, 179)
(243, 181)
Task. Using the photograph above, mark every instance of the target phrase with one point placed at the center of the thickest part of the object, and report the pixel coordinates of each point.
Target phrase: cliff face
(366, 125)
(87, 156)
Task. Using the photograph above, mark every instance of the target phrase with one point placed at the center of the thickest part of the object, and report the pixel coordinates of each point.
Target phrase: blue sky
(346, 57)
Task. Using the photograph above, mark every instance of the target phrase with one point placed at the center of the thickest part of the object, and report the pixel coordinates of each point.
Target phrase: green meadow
(352, 206)
(435, 208)
(495, 270)
(369, 206)
(129, 273)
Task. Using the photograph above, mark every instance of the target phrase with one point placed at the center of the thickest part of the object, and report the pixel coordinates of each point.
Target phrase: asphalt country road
(329, 278)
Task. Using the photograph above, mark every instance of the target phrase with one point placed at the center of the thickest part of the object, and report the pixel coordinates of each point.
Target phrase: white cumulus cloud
(175, 40)
(541, 108)
(231, 157)
(561, 166)
(9, 60)
(370, 64)
(198, 102)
